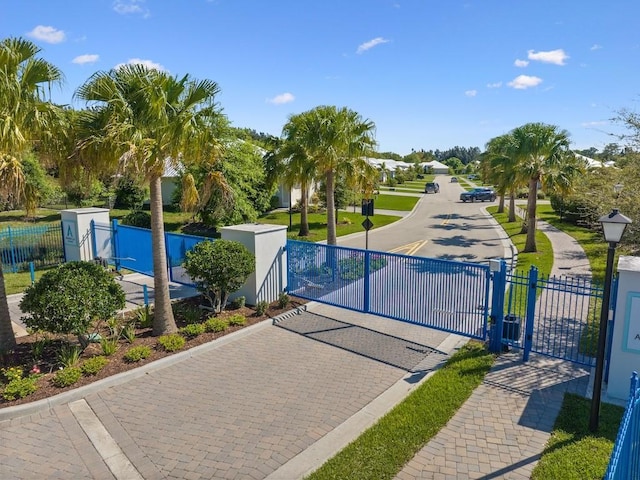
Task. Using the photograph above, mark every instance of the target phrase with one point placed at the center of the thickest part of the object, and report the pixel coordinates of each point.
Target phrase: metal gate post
(366, 297)
(531, 312)
(114, 244)
(499, 277)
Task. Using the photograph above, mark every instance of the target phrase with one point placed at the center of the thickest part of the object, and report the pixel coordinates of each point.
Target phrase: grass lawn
(402, 189)
(574, 453)
(16, 218)
(348, 222)
(382, 450)
(395, 202)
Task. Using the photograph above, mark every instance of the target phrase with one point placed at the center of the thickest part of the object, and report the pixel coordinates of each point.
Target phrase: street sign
(367, 207)
(367, 224)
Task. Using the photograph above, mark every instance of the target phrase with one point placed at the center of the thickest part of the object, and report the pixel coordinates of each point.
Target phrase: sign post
(367, 209)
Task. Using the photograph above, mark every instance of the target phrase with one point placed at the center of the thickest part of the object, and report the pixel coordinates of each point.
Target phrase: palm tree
(138, 119)
(500, 167)
(27, 120)
(543, 157)
(330, 137)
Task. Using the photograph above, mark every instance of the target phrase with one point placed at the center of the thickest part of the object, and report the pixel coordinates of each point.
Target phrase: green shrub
(129, 332)
(12, 373)
(219, 268)
(144, 318)
(171, 342)
(216, 325)
(129, 194)
(138, 219)
(20, 388)
(261, 307)
(67, 376)
(69, 355)
(283, 300)
(70, 297)
(93, 365)
(135, 354)
(192, 330)
(189, 313)
(109, 346)
(238, 302)
(237, 320)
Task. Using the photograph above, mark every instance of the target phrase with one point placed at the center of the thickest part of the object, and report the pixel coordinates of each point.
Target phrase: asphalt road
(441, 226)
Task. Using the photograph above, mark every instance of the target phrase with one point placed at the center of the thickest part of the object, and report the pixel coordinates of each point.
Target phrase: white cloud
(522, 82)
(370, 44)
(594, 124)
(494, 85)
(521, 63)
(281, 99)
(557, 57)
(88, 58)
(47, 34)
(127, 7)
(471, 93)
(139, 61)
(596, 47)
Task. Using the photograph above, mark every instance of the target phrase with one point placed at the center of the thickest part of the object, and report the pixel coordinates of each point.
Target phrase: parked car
(454, 179)
(432, 187)
(479, 193)
(473, 176)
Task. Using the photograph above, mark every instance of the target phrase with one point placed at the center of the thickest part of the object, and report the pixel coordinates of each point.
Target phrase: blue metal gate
(441, 294)
(553, 316)
(130, 248)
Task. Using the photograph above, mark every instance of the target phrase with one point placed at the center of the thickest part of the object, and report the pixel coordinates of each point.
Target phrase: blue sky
(430, 74)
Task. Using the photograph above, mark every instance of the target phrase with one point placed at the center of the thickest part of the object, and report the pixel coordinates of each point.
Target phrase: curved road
(440, 226)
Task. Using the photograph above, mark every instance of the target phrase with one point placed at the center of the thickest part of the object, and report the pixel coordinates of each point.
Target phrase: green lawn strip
(574, 453)
(402, 189)
(318, 223)
(382, 450)
(18, 282)
(395, 202)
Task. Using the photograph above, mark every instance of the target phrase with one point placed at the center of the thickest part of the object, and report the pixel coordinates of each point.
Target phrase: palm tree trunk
(163, 321)
(7, 337)
(304, 210)
(512, 206)
(530, 244)
(331, 210)
(501, 203)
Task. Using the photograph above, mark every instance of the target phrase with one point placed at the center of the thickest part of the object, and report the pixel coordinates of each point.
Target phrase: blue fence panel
(133, 249)
(624, 463)
(41, 245)
(177, 246)
(442, 294)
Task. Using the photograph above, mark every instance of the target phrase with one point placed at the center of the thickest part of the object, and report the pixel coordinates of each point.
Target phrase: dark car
(480, 194)
(454, 179)
(432, 187)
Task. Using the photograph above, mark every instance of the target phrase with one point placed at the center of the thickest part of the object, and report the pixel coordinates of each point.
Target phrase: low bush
(193, 330)
(93, 365)
(215, 325)
(135, 354)
(283, 300)
(109, 346)
(237, 320)
(238, 302)
(20, 388)
(261, 307)
(12, 373)
(137, 219)
(171, 342)
(66, 376)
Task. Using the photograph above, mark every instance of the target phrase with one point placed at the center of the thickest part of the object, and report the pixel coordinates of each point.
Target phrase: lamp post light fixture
(613, 226)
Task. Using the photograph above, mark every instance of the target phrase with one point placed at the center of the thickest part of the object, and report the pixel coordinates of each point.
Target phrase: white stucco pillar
(76, 232)
(267, 243)
(625, 346)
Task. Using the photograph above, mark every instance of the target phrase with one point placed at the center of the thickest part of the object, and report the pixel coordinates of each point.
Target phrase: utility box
(77, 237)
(511, 328)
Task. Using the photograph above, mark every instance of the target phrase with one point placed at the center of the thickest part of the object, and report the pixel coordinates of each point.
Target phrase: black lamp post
(613, 226)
